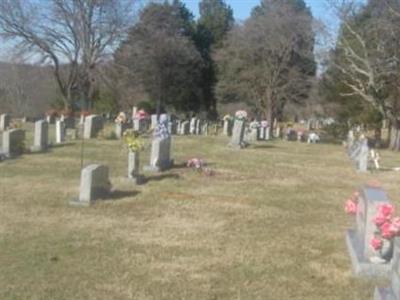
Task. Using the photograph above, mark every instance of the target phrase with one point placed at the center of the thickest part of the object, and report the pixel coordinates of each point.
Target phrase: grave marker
(358, 239)
(94, 185)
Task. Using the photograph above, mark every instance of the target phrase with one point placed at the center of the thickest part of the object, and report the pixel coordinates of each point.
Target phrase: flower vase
(386, 251)
(385, 254)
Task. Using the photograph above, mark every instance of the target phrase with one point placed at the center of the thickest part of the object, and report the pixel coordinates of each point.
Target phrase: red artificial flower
(376, 243)
(350, 207)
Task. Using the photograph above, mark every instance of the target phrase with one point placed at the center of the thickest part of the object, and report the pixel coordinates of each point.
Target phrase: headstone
(93, 125)
(134, 112)
(227, 128)
(68, 121)
(133, 167)
(204, 128)
(277, 133)
(291, 135)
(358, 239)
(263, 133)
(172, 127)
(350, 139)
(153, 121)
(13, 142)
(160, 159)
(40, 142)
(95, 184)
(199, 125)
(362, 159)
(140, 125)
(237, 140)
(393, 291)
(267, 134)
(185, 128)
(4, 122)
(82, 119)
(120, 129)
(60, 132)
(193, 122)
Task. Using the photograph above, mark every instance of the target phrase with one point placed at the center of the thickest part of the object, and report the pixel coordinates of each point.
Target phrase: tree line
(111, 54)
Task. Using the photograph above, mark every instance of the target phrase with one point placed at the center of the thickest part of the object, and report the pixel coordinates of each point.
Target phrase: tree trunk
(394, 143)
(378, 137)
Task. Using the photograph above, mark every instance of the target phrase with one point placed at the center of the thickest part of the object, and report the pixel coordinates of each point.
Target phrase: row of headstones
(14, 138)
(362, 255)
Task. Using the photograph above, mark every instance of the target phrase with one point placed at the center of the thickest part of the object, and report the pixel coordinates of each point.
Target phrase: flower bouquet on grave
(132, 140)
(264, 124)
(387, 227)
(241, 115)
(227, 117)
(199, 165)
(121, 118)
(351, 204)
(141, 115)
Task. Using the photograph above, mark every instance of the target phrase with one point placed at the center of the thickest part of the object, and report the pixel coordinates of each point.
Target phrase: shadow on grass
(160, 177)
(116, 195)
(179, 166)
(68, 144)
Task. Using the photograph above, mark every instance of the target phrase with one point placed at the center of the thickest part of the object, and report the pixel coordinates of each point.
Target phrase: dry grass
(268, 225)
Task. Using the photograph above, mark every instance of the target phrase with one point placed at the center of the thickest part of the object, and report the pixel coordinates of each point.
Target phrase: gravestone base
(361, 266)
(38, 149)
(76, 202)
(161, 167)
(384, 294)
(137, 180)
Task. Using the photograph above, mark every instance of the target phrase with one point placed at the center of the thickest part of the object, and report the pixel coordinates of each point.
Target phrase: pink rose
(395, 226)
(376, 243)
(350, 207)
(386, 210)
(386, 231)
(379, 220)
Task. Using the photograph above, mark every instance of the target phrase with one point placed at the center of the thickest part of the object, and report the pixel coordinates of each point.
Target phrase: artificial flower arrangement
(227, 117)
(199, 165)
(196, 163)
(264, 124)
(121, 118)
(351, 204)
(241, 115)
(133, 140)
(141, 114)
(388, 226)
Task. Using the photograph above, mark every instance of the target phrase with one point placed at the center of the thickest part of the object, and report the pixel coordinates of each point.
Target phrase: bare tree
(73, 36)
(269, 60)
(368, 58)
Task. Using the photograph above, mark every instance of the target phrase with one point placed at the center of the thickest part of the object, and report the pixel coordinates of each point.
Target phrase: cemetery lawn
(269, 225)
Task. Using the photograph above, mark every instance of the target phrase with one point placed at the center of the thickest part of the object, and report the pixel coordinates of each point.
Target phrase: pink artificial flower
(141, 114)
(350, 207)
(379, 219)
(386, 231)
(395, 226)
(386, 210)
(376, 243)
